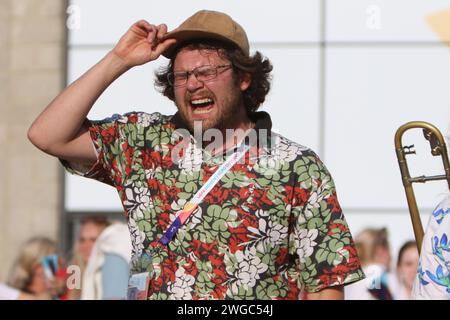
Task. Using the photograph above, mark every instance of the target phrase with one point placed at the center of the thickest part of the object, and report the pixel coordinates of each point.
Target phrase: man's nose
(193, 83)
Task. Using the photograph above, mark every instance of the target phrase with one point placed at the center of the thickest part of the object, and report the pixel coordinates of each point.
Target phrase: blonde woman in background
(375, 256)
(8, 293)
(27, 273)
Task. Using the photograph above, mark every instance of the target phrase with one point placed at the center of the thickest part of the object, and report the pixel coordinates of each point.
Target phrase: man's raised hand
(142, 43)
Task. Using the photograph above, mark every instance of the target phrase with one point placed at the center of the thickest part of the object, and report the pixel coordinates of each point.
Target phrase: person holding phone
(29, 274)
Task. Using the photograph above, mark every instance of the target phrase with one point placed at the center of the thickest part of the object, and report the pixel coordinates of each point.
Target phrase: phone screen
(50, 264)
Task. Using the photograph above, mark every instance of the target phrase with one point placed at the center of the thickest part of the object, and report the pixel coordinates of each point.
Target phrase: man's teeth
(202, 106)
(201, 101)
(202, 110)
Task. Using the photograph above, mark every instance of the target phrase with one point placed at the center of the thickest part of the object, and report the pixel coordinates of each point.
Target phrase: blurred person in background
(107, 271)
(375, 256)
(28, 274)
(408, 258)
(9, 293)
(90, 230)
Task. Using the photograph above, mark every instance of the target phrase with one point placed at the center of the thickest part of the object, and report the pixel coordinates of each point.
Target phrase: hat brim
(183, 36)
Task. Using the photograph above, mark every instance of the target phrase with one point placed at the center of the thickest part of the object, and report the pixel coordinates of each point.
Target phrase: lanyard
(191, 205)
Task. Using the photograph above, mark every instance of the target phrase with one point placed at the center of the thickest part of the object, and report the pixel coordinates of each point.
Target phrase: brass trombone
(438, 148)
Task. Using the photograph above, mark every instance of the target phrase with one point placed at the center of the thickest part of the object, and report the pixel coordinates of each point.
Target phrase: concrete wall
(32, 69)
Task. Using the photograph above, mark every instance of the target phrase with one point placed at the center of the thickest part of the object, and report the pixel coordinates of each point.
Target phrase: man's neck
(231, 137)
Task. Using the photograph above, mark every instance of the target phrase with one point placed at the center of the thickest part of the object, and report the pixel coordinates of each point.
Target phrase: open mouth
(202, 106)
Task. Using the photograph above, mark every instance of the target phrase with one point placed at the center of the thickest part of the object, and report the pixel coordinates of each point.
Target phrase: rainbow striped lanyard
(191, 205)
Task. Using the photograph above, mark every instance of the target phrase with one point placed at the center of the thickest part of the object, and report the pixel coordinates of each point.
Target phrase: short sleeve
(104, 135)
(319, 235)
(115, 140)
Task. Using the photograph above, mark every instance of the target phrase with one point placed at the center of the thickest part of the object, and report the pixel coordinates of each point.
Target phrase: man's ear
(245, 80)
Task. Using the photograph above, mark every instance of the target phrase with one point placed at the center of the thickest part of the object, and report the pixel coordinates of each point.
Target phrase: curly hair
(257, 66)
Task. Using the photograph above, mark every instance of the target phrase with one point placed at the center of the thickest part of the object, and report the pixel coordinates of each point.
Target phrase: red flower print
(333, 201)
(300, 196)
(132, 118)
(108, 135)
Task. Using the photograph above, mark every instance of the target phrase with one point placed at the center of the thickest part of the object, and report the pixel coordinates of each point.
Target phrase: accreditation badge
(139, 282)
(138, 286)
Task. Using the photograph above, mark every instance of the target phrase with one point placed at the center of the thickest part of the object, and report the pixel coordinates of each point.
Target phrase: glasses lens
(177, 78)
(206, 73)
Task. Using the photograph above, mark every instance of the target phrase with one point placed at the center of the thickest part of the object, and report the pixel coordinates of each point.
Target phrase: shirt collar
(261, 119)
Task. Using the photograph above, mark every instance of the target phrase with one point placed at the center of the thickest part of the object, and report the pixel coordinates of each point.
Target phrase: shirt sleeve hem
(348, 278)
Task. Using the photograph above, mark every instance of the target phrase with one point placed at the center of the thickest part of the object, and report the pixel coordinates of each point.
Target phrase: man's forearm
(333, 293)
(63, 118)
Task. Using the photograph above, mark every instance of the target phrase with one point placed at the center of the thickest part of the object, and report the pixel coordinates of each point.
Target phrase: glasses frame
(187, 74)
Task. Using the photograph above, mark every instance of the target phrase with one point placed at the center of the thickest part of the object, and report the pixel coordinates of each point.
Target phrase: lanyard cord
(191, 205)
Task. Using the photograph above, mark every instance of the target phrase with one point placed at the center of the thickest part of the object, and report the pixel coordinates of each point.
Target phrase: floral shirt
(433, 274)
(271, 228)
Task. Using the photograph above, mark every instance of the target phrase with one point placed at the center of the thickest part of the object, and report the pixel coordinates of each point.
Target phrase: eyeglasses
(203, 73)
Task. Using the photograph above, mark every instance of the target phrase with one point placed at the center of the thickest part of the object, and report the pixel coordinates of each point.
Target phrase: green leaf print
(158, 205)
(158, 296)
(144, 226)
(190, 187)
(140, 137)
(179, 244)
(165, 138)
(114, 148)
(153, 135)
(301, 166)
(335, 245)
(228, 180)
(184, 195)
(331, 257)
(314, 223)
(205, 233)
(313, 171)
(321, 255)
(309, 272)
(244, 293)
(182, 179)
(274, 291)
(202, 277)
(214, 211)
(262, 182)
(230, 262)
(132, 134)
(219, 225)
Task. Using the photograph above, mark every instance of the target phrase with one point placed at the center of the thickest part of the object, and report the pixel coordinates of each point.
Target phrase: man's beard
(227, 118)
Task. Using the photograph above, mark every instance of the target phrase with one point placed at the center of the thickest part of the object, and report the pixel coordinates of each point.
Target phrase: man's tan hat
(209, 25)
